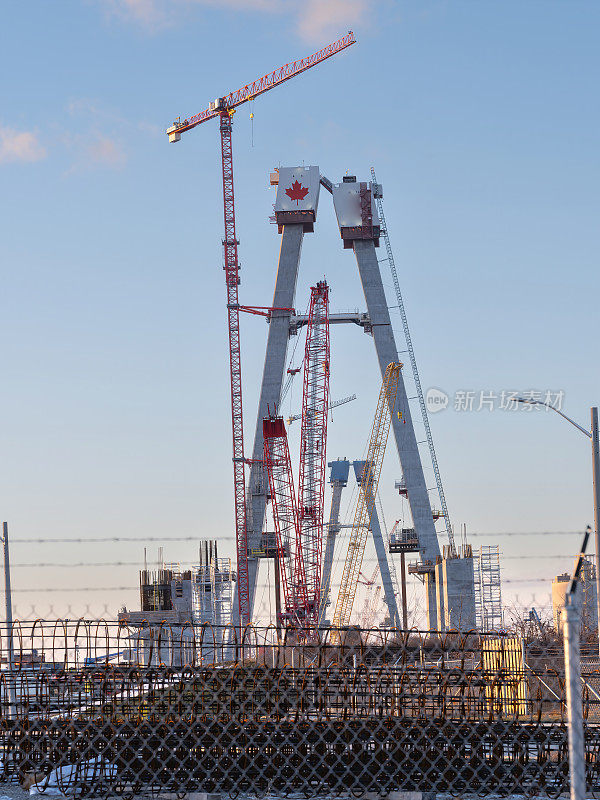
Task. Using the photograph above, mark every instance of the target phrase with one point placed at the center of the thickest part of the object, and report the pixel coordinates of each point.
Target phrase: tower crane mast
(224, 108)
(232, 280)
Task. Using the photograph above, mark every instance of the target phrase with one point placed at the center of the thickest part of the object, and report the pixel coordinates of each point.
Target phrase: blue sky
(482, 122)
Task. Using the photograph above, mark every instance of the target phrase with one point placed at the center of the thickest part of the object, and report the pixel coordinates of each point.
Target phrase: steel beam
(354, 317)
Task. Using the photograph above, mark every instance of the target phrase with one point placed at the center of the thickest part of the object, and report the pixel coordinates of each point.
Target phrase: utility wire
(526, 533)
(61, 564)
(167, 539)
(261, 585)
(163, 539)
(103, 564)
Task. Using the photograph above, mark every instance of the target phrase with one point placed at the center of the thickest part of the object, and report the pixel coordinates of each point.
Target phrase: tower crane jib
(259, 86)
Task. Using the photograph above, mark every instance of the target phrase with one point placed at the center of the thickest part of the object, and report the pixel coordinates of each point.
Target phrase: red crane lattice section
(268, 81)
(285, 519)
(232, 280)
(313, 444)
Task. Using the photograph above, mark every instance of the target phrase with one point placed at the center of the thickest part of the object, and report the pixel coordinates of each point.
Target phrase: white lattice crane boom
(335, 404)
(370, 608)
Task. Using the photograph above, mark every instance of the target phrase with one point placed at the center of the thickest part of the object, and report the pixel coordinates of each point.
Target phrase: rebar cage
(101, 708)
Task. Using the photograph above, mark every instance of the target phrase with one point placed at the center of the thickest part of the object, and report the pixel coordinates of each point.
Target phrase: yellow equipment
(366, 495)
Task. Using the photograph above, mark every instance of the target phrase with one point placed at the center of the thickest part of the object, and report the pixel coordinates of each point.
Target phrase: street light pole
(594, 439)
(596, 474)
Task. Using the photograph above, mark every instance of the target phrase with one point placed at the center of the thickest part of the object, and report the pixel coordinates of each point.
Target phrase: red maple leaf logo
(296, 192)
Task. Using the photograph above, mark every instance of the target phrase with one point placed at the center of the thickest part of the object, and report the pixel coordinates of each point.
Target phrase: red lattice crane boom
(285, 520)
(313, 442)
(224, 108)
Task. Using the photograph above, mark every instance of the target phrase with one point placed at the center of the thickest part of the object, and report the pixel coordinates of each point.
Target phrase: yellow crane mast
(366, 495)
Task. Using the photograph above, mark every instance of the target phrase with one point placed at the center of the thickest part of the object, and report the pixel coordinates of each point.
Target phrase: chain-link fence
(105, 708)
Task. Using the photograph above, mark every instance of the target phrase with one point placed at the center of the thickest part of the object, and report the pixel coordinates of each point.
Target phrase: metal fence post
(571, 628)
(571, 635)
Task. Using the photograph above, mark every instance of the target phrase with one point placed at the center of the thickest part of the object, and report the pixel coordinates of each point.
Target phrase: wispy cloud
(150, 14)
(106, 118)
(314, 20)
(318, 20)
(104, 151)
(20, 146)
(98, 135)
(153, 15)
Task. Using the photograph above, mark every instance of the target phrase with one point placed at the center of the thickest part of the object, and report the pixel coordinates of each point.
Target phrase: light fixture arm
(552, 408)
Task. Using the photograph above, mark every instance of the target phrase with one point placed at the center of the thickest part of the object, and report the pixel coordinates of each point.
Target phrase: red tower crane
(313, 441)
(224, 108)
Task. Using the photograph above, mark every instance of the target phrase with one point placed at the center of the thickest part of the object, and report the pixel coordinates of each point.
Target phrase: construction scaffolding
(212, 588)
(179, 602)
(488, 588)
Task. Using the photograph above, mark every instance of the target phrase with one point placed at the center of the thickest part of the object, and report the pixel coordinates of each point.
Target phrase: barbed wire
(61, 589)
(519, 605)
(523, 581)
(79, 564)
(102, 539)
(526, 533)
(167, 540)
